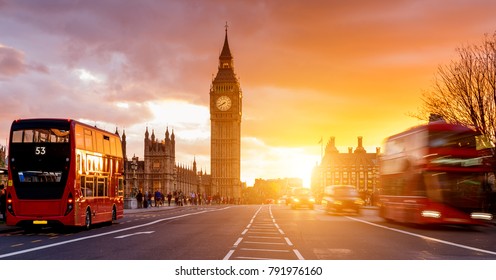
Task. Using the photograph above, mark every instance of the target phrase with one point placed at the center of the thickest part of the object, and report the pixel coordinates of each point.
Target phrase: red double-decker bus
(63, 172)
(437, 173)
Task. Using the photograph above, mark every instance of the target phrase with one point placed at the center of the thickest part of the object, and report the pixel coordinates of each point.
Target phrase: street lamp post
(130, 199)
(131, 202)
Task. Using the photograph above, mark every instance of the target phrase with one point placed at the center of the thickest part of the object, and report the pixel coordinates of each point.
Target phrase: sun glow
(122, 105)
(259, 160)
(86, 75)
(179, 111)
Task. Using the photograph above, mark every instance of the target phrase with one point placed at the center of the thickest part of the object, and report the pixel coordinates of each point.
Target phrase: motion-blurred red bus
(63, 172)
(437, 173)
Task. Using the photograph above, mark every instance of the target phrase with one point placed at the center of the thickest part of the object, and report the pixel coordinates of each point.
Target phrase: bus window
(28, 136)
(87, 184)
(112, 146)
(79, 137)
(59, 136)
(88, 140)
(39, 135)
(101, 186)
(433, 183)
(99, 142)
(17, 136)
(106, 145)
(121, 187)
(39, 177)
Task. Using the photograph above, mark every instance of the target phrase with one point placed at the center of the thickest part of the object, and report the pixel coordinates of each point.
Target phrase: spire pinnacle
(226, 52)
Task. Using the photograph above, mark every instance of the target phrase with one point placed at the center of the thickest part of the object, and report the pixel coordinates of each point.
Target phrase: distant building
(271, 189)
(3, 156)
(356, 167)
(159, 171)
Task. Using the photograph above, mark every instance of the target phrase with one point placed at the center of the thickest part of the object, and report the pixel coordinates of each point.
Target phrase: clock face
(223, 103)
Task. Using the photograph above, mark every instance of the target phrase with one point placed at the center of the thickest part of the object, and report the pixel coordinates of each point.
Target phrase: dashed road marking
(261, 238)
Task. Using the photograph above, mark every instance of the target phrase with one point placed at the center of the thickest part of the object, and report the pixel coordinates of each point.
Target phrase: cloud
(307, 70)
(11, 62)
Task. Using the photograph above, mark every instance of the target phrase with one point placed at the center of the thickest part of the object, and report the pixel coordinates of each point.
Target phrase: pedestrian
(158, 195)
(193, 198)
(139, 198)
(169, 198)
(181, 198)
(149, 196)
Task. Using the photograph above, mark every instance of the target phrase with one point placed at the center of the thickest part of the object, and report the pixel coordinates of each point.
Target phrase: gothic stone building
(357, 168)
(159, 170)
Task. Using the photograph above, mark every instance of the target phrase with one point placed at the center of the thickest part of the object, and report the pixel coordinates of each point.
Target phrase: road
(251, 232)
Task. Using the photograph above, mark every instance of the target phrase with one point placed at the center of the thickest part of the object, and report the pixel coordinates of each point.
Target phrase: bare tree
(464, 90)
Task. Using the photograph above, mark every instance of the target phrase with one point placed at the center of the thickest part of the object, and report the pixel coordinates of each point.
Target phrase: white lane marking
(268, 243)
(426, 237)
(256, 236)
(263, 232)
(238, 241)
(103, 234)
(288, 241)
(264, 250)
(253, 258)
(262, 228)
(136, 233)
(229, 254)
(297, 253)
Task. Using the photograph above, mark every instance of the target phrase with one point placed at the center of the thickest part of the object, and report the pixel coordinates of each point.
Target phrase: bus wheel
(87, 220)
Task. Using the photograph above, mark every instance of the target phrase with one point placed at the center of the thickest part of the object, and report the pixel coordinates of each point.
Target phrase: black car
(342, 199)
(301, 198)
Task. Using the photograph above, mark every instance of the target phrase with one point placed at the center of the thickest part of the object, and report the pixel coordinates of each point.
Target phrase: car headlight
(359, 201)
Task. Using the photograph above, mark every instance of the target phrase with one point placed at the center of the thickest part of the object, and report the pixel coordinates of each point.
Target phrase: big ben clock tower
(225, 119)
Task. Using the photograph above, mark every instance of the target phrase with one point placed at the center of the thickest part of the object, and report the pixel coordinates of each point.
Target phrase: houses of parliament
(158, 170)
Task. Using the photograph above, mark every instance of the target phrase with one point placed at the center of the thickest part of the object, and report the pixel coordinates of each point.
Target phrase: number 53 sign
(39, 150)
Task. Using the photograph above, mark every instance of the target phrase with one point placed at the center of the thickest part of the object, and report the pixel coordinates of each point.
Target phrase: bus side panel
(420, 210)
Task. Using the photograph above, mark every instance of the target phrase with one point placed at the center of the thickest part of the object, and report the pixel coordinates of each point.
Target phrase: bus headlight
(481, 216)
(431, 214)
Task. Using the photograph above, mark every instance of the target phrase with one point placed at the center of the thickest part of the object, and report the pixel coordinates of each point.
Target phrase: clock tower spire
(225, 119)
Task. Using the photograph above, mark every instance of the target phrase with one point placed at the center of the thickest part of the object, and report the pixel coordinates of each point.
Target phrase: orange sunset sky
(308, 69)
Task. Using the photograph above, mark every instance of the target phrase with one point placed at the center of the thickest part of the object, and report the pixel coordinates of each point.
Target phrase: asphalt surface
(6, 228)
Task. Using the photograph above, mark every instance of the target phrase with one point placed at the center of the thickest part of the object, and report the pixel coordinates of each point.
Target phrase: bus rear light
(10, 208)
(431, 214)
(481, 216)
(70, 204)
